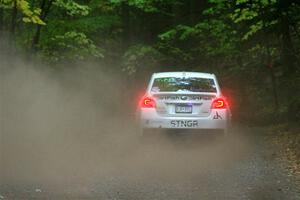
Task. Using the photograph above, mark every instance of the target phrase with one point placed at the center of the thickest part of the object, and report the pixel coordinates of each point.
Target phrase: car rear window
(189, 84)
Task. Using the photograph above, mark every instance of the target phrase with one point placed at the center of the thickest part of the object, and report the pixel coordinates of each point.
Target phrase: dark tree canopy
(252, 45)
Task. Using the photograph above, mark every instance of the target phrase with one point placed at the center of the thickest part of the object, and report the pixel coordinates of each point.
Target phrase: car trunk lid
(184, 104)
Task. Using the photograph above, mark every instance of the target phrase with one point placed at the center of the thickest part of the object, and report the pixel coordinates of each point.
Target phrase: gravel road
(66, 137)
(166, 167)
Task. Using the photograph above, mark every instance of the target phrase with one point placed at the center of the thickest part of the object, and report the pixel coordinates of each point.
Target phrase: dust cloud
(73, 127)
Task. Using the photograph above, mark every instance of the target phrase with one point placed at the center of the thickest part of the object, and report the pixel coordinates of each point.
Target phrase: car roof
(183, 74)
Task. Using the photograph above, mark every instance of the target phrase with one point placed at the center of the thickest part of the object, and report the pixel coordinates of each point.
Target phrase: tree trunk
(269, 63)
(273, 77)
(274, 85)
(45, 10)
(178, 13)
(287, 51)
(288, 56)
(36, 38)
(13, 20)
(126, 35)
(1, 20)
(196, 8)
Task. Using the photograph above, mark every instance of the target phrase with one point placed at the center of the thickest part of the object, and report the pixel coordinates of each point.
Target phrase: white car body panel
(201, 116)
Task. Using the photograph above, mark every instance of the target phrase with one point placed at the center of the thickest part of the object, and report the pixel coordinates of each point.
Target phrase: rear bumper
(217, 119)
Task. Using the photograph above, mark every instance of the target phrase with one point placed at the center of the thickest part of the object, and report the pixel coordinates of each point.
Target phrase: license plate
(183, 109)
(184, 123)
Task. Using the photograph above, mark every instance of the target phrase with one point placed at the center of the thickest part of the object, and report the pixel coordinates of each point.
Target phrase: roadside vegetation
(251, 45)
(286, 139)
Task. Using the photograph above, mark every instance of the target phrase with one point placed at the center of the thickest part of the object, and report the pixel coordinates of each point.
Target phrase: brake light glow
(147, 102)
(218, 103)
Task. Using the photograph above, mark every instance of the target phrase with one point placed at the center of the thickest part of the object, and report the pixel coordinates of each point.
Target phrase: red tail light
(147, 102)
(219, 103)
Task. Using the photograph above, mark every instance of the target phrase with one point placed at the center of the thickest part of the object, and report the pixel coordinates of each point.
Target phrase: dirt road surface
(165, 167)
(68, 136)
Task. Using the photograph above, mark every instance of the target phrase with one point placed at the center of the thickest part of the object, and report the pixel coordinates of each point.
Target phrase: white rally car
(184, 100)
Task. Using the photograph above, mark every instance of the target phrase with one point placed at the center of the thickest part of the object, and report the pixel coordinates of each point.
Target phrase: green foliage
(6, 4)
(148, 6)
(139, 57)
(72, 8)
(71, 46)
(217, 8)
(247, 11)
(222, 40)
(30, 15)
(89, 25)
(145, 5)
(168, 35)
(252, 45)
